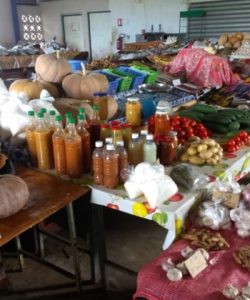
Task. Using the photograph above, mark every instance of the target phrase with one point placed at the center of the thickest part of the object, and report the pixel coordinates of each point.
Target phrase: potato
(184, 157)
(196, 160)
(223, 39)
(191, 151)
(206, 154)
(228, 45)
(202, 147)
(217, 157)
(214, 150)
(210, 142)
(212, 161)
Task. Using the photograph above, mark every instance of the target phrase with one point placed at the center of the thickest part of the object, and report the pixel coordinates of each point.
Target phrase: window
(31, 28)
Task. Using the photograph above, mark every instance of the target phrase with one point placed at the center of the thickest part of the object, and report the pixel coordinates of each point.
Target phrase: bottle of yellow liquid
(43, 143)
(30, 138)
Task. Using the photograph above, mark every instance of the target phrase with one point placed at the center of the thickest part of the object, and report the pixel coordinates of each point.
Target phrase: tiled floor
(130, 241)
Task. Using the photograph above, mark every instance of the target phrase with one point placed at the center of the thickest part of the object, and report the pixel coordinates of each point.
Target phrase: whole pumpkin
(14, 194)
(83, 86)
(52, 68)
(33, 88)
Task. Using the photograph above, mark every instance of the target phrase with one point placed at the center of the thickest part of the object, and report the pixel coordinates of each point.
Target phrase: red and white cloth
(152, 283)
(202, 68)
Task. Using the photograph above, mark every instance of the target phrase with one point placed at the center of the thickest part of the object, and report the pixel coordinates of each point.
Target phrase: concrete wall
(52, 11)
(141, 14)
(7, 36)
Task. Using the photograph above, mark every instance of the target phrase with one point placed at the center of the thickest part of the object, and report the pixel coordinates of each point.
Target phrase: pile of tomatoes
(187, 128)
(234, 143)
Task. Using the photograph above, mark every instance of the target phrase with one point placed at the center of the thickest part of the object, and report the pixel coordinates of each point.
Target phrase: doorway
(100, 34)
(73, 31)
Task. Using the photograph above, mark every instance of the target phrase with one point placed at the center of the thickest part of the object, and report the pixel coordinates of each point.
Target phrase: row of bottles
(108, 163)
(49, 144)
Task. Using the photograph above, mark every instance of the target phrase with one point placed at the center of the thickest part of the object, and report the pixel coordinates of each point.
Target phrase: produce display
(187, 128)
(206, 239)
(242, 257)
(104, 63)
(199, 152)
(233, 40)
(238, 140)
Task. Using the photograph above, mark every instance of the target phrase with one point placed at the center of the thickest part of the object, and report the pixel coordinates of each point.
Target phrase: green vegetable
(234, 126)
(232, 133)
(216, 127)
(216, 118)
(204, 108)
(244, 121)
(197, 116)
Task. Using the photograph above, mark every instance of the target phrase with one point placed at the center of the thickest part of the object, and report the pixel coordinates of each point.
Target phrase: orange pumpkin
(83, 86)
(32, 88)
(14, 194)
(52, 68)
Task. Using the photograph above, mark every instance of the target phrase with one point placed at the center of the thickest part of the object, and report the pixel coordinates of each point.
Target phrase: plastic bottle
(105, 132)
(110, 167)
(126, 134)
(82, 111)
(122, 159)
(85, 136)
(51, 120)
(135, 151)
(97, 163)
(43, 143)
(30, 138)
(73, 146)
(95, 127)
(58, 142)
(150, 149)
(68, 115)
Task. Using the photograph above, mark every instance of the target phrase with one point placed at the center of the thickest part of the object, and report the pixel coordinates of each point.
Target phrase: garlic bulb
(174, 275)
(167, 265)
(182, 267)
(187, 252)
(242, 297)
(230, 292)
(246, 290)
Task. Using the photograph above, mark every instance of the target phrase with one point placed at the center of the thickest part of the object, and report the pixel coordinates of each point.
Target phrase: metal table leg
(19, 252)
(73, 238)
(99, 246)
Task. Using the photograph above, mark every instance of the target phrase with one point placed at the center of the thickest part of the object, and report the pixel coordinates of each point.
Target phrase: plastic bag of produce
(150, 180)
(241, 217)
(187, 177)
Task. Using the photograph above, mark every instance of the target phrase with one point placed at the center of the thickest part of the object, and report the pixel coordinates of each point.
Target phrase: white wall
(141, 14)
(52, 11)
(7, 36)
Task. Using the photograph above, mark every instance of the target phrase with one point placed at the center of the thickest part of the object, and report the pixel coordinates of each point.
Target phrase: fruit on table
(139, 210)
(234, 143)
(14, 194)
(52, 68)
(83, 86)
(187, 128)
(160, 218)
(32, 88)
(199, 152)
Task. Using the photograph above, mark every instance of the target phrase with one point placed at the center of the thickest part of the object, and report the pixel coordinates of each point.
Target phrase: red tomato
(181, 134)
(237, 140)
(230, 148)
(230, 142)
(243, 134)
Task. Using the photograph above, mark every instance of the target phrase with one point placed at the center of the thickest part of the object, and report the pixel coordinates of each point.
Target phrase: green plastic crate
(151, 74)
(126, 79)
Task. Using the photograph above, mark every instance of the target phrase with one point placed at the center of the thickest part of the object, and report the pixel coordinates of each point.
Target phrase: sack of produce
(150, 180)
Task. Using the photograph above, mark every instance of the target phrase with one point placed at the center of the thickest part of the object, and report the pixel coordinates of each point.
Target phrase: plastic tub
(113, 82)
(151, 75)
(125, 79)
(138, 77)
(76, 64)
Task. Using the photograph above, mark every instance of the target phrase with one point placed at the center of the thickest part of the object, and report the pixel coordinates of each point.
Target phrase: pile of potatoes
(233, 41)
(199, 152)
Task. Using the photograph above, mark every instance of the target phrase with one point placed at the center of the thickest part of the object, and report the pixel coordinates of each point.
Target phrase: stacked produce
(104, 63)
(233, 40)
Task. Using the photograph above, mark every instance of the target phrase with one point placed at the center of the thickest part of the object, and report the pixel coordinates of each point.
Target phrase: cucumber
(244, 121)
(217, 119)
(231, 111)
(233, 133)
(204, 108)
(191, 114)
(216, 127)
(234, 126)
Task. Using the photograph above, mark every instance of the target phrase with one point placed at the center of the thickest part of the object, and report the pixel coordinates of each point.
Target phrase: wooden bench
(48, 195)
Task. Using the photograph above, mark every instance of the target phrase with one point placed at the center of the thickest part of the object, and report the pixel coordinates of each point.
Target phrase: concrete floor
(131, 242)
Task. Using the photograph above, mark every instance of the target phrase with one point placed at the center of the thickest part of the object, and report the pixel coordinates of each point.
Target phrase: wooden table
(48, 195)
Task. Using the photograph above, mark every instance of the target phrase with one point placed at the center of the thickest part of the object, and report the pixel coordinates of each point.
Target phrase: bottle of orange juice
(30, 138)
(73, 148)
(85, 136)
(43, 143)
(58, 143)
